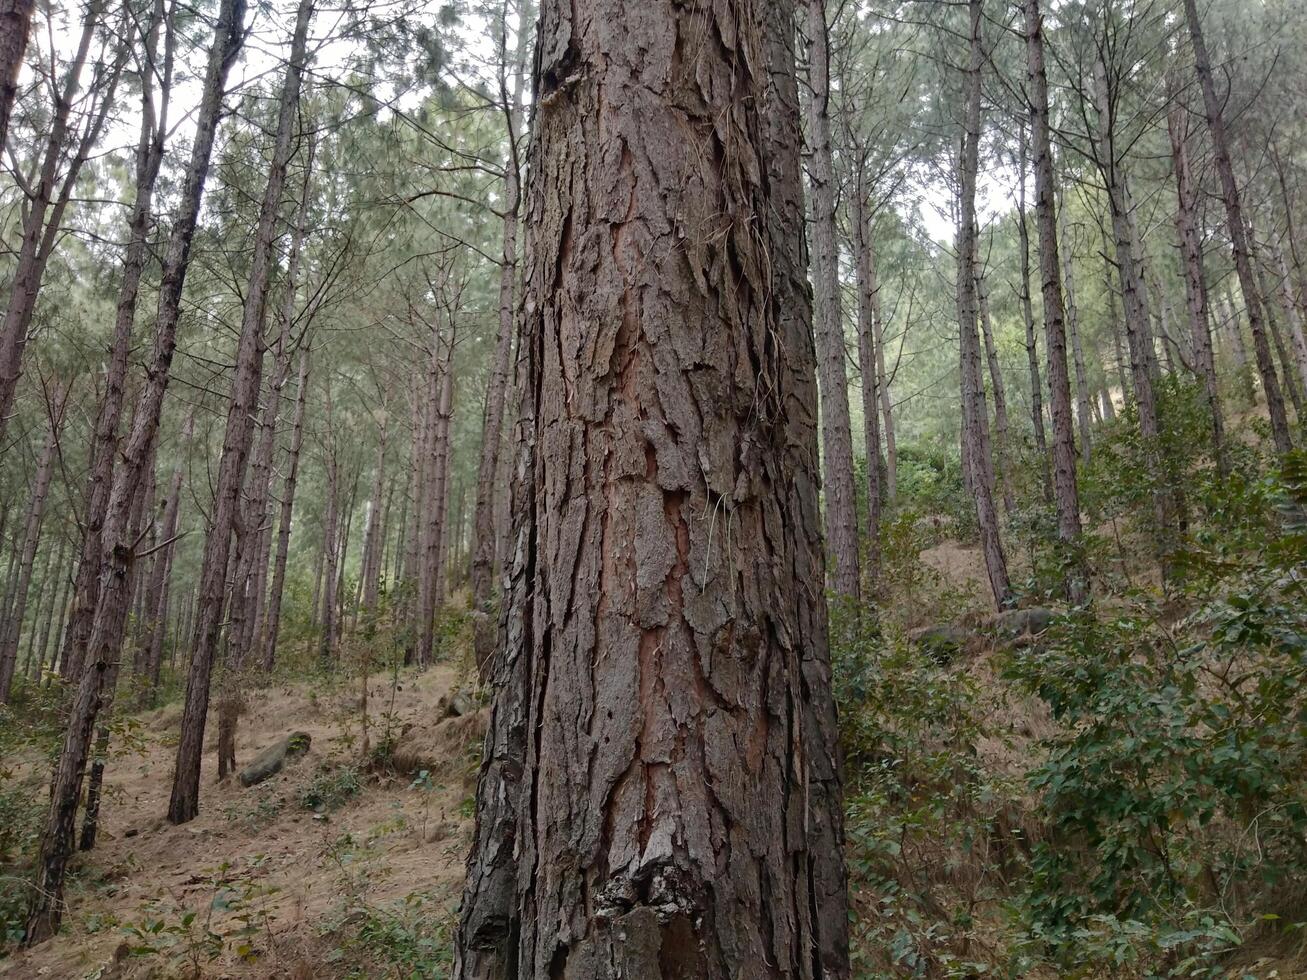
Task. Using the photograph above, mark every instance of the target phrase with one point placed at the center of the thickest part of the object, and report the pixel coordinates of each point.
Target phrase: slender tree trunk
(1135, 305)
(870, 383)
(15, 28)
(484, 531)
(370, 572)
(185, 801)
(13, 626)
(156, 626)
(1002, 427)
(1085, 407)
(975, 422)
(58, 597)
(1066, 494)
(116, 558)
(613, 572)
(272, 623)
(836, 434)
(1195, 280)
(1293, 315)
(1028, 318)
(104, 444)
(1243, 260)
(49, 199)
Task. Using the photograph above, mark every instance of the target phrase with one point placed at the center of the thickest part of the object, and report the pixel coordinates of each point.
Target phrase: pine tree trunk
(185, 801)
(1195, 280)
(45, 206)
(13, 626)
(1066, 495)
(115, 560)
(1028, 318)
(54, 614)
(1002, 427)
(836, 433)
(15, 28)
(272, 623)
(1234, 220)
(870, 382)
(1085, 406)
(104, 444)
(1293, 315)
(689, 393)
(485, 536)
(977, 459)
(156, 626)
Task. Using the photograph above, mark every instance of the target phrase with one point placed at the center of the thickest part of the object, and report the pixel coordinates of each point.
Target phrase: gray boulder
(274, 758)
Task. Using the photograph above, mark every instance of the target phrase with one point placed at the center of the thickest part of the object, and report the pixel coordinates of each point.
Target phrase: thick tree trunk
(272, 622)
(977, 458)
(13, 625)
(669, 382)
(15, 28)
(836, 433)
(116, 555)
(1234, 220)
(1195, 281)
(1066, 495)
(185, 801)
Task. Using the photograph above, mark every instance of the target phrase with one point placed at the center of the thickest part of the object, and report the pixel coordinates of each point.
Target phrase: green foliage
(931, 830)
(331, 788)
(408, 940)
(1176, 786)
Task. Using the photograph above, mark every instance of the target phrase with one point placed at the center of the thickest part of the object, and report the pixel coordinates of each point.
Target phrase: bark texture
(15, 28)
(665, 664)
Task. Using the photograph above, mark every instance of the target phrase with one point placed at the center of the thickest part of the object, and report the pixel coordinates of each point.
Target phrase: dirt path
(280, 879)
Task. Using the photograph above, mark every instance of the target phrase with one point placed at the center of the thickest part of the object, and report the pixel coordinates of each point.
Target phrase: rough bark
(1234, 220)
(15, 28)
(836, 433)
(1066, 495)
(116, 553)
(238, 434)
(665, 660)
(1293, 315)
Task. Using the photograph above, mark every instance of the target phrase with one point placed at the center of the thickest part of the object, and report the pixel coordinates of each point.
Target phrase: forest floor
(316, 872)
